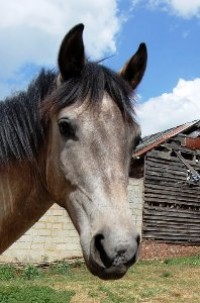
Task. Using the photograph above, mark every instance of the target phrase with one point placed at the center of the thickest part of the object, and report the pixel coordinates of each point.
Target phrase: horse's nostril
(98, 242)
(138, 240)
(120, 253)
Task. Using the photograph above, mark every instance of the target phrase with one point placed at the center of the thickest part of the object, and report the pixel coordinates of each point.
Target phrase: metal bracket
(193, 177)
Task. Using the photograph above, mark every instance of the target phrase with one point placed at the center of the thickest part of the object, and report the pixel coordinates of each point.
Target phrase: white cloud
(171, 109)
(182, 8)
(31, 31)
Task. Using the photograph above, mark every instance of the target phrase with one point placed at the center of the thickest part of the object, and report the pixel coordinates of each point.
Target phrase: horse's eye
(138, 140)
(135, 143)
(66, 129)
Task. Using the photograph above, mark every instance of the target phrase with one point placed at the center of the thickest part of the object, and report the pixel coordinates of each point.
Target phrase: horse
(68, 139)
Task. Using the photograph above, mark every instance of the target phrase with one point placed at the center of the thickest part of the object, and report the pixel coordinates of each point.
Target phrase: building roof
(152, 141)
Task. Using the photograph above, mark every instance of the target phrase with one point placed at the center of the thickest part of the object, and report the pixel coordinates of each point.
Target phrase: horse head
(92, 135)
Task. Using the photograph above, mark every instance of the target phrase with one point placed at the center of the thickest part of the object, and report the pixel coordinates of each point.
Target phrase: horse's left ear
(71, 58)
(134, 69)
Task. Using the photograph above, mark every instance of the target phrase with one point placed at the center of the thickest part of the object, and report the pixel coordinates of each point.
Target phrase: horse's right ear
(71, 58)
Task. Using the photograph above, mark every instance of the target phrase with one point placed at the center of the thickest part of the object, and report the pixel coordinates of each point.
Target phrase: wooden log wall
(171, 207)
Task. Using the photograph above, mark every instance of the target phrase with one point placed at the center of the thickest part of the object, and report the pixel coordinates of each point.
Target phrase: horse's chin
(109, 273)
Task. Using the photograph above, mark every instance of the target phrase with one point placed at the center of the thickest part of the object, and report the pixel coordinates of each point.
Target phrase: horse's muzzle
(110, 258)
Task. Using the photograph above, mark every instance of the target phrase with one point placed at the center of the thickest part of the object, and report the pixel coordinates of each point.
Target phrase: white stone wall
(54, 237)
(135, 193)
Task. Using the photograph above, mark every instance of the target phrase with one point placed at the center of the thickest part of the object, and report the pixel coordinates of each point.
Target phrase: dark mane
(22, 128)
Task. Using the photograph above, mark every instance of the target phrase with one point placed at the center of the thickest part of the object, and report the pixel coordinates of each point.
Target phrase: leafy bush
(33, 294)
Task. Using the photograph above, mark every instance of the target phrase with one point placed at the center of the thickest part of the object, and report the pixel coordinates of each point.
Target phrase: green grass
(30, 272)
(7, 272)
(191, 261)
(33, 294)
(168, 281)
(62, 268)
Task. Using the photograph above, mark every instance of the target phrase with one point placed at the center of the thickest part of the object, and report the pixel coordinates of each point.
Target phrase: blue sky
(173, 46)
(170, 91)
